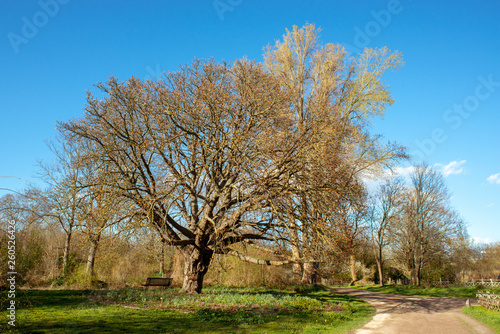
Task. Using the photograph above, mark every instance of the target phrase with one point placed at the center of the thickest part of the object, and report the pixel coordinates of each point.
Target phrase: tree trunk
(412, 276)
(380, 267)
(411, 269)
(297, 272)
(67, 245)
(196, 263)
(296, 267)
(94, 244)
(162, 257)
(310, 272)
(418, 274)
(178, 266)
(354, 276)
(380, 272)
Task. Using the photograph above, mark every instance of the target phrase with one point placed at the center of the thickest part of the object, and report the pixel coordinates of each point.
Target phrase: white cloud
(495, 178)
(478, 240)
(489, 205)
(399, 172)
(454, 167)
(388, 173)
(404, 171)
(372, 181)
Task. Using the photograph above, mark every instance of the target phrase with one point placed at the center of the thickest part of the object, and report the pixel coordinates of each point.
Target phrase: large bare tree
(201, 154)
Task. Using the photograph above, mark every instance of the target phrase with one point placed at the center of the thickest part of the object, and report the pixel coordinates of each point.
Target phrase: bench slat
(158, 281)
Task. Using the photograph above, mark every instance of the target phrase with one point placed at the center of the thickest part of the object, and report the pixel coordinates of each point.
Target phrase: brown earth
(411, 314)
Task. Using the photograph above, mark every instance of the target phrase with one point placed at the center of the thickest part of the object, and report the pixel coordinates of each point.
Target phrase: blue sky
(447, 94)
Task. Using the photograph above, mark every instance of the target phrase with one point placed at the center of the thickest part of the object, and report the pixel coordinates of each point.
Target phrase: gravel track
(411, 314)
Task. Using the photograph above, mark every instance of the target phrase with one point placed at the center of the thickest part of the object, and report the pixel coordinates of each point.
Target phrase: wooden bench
(158, 281)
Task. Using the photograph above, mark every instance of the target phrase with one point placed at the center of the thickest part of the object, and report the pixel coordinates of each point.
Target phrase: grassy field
(456, 292)
(217, 310)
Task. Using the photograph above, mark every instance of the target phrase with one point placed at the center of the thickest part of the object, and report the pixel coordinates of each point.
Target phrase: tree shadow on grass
(28, 299)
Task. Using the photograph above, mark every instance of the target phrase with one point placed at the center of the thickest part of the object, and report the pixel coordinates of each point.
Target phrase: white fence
(484, 282)
(489, 300)
(490, 282)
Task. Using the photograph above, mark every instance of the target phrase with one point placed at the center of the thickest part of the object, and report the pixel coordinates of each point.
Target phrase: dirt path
(409, 314)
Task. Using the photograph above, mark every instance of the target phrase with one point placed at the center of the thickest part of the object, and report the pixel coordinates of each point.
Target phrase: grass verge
(487, 317)
(456, 292)
(217, 310)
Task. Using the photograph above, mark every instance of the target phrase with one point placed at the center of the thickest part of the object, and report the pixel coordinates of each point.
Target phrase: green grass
(487, 317)
(456, 292)
(217, 310)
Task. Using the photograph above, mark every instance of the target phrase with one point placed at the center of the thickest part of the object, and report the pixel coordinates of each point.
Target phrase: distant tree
(462, 255)
(351, 222)
(62, 198)
(20, 219)
(487, 262)
(384, 211)
(100, 209)
(426, 223)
